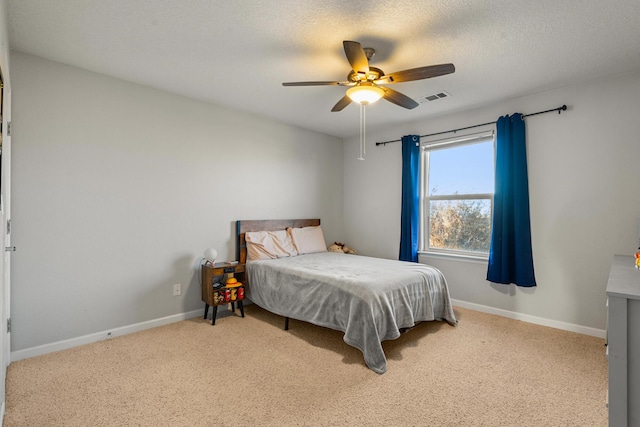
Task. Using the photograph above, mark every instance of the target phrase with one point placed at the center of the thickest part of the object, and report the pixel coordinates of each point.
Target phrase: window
(457, 179)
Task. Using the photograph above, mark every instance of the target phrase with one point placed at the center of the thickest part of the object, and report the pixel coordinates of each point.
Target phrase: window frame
(425, 225)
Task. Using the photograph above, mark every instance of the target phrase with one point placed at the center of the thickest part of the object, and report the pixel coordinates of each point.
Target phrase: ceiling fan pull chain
(364, 128)
(361, 131)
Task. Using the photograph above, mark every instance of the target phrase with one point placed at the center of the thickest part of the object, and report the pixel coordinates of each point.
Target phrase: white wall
(118, 188)
(584, 171)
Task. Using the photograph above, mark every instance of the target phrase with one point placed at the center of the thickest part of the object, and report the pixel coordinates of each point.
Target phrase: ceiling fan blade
(417, 73)
(356, 57)
(344, 101)
(399, 98)
(311, 84)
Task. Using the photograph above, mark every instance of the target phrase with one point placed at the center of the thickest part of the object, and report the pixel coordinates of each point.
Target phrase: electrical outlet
(177, 289)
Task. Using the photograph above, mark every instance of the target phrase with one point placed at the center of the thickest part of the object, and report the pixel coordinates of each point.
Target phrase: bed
(369, 299)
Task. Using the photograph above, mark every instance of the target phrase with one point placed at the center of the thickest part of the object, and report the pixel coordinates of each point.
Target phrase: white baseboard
(99, 336)
(124, 330)
(600, 333)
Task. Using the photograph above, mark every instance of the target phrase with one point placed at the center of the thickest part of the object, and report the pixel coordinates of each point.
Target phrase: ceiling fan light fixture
(365, 94)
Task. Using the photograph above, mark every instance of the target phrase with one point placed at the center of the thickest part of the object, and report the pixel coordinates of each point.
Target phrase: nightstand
(215, 297)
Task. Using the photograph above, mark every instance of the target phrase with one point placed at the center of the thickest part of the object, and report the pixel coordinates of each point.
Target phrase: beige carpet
(487, 371)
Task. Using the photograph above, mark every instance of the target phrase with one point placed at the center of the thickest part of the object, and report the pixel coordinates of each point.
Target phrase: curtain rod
(559, 110)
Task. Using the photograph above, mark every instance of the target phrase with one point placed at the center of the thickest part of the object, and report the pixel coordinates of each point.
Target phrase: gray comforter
(369, 299)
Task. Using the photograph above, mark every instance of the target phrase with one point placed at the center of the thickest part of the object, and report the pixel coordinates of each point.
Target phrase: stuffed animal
(336, 247)
(340, 248)
(637, 255)
(347, 250)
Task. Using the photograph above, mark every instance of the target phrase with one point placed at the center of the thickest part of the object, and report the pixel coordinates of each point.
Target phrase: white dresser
(623, 342)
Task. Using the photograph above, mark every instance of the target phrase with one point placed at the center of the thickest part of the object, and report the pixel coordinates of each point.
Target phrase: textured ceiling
(237, 53)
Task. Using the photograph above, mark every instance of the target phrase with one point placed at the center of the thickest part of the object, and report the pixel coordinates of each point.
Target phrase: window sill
(454, 256)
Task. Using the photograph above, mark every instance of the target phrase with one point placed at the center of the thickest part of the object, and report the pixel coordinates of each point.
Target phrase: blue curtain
(510, 255)
(410, 214)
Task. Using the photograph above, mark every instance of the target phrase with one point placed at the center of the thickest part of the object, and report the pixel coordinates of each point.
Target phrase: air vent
(434, 97)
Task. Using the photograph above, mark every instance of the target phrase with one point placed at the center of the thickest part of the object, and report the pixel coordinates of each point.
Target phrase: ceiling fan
(366, 81)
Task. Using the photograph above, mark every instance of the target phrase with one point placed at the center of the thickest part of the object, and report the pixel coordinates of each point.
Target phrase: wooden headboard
(265, 225)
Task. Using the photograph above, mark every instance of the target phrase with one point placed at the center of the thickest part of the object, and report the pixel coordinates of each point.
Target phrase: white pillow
(269, 245)
(308, 240)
